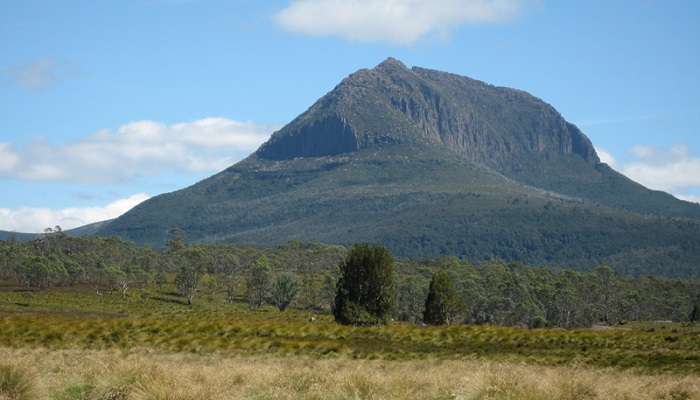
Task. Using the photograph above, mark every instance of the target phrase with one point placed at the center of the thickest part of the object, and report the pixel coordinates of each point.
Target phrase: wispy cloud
(664, 169)
(34, 219)
(606, 157)
(612, 121)
(395, 21)
(674, 170)
(140, 148)
(36, 75)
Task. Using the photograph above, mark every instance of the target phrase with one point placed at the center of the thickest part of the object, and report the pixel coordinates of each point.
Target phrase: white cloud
(395, 21)
(605, 157)
(36, 75)
(670, 170)
(136, 149)
(673, 170)
(690, 198)
(34, 219)
(8, 159)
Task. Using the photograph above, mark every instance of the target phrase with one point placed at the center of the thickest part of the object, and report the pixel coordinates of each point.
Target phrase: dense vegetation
(304, 276)
(442, 305)
(365, 293)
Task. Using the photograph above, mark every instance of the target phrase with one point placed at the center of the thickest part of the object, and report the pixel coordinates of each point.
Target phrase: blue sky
(103, 104)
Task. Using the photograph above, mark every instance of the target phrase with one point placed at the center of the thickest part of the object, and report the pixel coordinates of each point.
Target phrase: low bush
(16, 383)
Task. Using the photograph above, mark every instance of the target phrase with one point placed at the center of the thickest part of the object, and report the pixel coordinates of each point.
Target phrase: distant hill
(431, 163)
(89, 229)
(85, 230)
(6, 235)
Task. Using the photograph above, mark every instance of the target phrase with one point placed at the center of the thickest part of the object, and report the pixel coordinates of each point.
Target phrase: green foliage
(176, 240)
(76, 319)
(327, 291)
(494, 292)
(258, 283)
(40, 272)
(230, 284)
(15, 383)
(410, 302)
(442, 305)
(695, 314)
(284, 290)
(187, 281)
(310, 293)
(365, 290)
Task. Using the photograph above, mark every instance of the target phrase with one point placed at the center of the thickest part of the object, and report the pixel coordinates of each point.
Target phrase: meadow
(73, 344)
(146, 375)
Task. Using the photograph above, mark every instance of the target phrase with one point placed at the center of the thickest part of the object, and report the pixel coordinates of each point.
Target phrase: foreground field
(80, 320)
(141, 375)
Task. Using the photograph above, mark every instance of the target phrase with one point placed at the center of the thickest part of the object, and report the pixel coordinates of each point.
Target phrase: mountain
(431, 163)
(85, 230)
(18, 236)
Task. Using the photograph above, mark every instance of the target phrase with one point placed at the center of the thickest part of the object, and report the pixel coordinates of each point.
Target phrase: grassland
(77, 345)
(80, 319)
(114, 374)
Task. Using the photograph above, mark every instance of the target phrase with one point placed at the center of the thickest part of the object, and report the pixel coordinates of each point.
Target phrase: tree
(187, 281)
(230, 284)
(132, 275)
(160, 279)
(695, 314)
(10, 256)
(258, 282)
(34, 272)
(442, 306)
(176, 240)
(412, 292)
(310, 292)
(608, 292)
(365, 290)
(327, 292)
(284, 290)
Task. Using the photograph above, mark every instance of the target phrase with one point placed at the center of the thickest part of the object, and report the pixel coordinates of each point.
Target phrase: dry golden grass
(146, 375)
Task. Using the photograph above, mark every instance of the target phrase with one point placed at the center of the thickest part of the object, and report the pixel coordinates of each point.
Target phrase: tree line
(362, 286)
(512, 294)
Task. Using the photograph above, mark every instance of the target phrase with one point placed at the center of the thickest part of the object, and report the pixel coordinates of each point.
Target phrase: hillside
(81, 231)
(431, 163)
(6, 235)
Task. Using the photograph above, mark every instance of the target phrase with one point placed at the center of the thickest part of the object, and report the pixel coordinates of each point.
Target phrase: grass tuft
(16, 383)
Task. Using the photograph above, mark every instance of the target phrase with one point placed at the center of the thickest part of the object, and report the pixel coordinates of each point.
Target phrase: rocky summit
(432, 163)
(392, 104)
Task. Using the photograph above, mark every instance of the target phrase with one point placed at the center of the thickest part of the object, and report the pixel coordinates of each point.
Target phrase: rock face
(430, 163)
(390, 103)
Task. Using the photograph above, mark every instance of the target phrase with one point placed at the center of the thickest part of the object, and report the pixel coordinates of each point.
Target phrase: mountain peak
(391, 64)
(391, 104)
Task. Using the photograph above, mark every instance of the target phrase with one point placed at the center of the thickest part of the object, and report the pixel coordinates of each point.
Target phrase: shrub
(284, 290)
(15, 384)
(365, 290)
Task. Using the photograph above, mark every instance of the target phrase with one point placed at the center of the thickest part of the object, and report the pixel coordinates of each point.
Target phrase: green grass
(80, 319)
